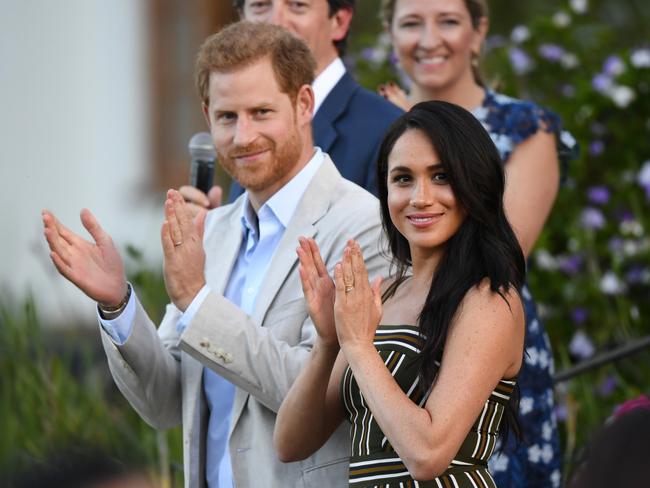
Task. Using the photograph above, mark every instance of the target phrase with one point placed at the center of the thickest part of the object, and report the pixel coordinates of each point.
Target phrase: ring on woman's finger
(176, 244)
(348, 289)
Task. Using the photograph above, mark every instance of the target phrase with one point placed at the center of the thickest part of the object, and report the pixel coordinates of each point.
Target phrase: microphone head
(201, 147)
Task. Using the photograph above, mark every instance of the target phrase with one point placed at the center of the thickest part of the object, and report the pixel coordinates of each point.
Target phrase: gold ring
(176, 244)
(348, 289)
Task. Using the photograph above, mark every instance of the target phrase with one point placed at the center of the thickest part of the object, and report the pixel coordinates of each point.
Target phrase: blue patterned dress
(535, 462)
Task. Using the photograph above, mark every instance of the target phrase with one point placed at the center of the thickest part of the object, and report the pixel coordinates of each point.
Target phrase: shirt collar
(282, 205)
(326, 81)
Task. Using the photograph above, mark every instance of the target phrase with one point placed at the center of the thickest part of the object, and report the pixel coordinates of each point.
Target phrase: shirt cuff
(191, 310)
(119, 328)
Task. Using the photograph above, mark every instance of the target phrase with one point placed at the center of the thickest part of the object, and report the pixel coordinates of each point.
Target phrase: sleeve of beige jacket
(147, 368)
(229, 342)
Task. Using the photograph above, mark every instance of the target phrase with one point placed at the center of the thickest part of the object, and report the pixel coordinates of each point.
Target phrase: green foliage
(56, 394)
(590, 272)
(591, 268)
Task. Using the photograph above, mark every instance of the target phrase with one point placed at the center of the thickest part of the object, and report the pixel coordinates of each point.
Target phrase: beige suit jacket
(160, 372)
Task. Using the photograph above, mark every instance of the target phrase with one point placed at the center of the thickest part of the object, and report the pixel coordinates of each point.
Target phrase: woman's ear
(480, 33)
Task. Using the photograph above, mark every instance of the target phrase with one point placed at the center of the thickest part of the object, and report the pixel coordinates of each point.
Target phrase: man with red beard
(237, 332)
(349, 121)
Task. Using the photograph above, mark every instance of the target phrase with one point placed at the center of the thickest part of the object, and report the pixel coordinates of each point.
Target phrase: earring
(475, 60)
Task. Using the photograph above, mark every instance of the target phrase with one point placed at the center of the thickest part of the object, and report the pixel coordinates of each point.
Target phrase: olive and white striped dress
(375, 464)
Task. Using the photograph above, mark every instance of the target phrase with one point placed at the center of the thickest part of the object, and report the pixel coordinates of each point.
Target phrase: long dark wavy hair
(484, 247)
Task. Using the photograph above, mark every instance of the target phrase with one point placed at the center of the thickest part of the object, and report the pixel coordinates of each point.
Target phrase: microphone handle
(202, 174)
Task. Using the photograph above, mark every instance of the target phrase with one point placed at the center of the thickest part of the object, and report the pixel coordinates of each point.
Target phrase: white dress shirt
(326, 81)
(261, 234)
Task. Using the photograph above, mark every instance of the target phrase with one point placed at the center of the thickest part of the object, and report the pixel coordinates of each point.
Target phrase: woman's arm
(532, 182)
(485, 344)
(312, 410)
(394, 94)
(313, 399)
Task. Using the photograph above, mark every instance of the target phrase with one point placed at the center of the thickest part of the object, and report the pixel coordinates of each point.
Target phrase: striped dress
(373, 461)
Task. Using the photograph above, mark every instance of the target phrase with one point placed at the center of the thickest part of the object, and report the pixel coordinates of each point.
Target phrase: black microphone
(203, 158)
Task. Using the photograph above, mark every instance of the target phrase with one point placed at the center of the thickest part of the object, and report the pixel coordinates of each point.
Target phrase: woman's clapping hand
(357, 306)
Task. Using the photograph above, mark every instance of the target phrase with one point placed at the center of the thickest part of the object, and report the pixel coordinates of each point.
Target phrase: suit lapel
(333, 107)
(312, 207)
(223, 240)
(282, 264)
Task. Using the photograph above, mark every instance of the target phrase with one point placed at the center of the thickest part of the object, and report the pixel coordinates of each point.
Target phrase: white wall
(74, 133)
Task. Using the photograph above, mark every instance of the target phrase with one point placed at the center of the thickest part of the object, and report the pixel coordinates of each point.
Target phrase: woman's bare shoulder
(482, 304)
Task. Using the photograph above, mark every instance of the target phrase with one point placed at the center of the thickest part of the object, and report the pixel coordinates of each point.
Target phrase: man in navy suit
(349, 121)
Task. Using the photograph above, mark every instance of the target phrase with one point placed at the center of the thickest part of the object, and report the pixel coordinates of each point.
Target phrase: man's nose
(244, 132)
(278, 16)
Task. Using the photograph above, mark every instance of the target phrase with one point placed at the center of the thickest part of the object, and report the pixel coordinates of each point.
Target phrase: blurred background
(98, 104)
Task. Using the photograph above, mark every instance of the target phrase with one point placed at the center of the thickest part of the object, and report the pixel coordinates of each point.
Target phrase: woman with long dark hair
(424, 369)
(438, 45)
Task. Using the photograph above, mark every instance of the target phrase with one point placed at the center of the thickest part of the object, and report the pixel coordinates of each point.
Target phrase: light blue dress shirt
(261, 234)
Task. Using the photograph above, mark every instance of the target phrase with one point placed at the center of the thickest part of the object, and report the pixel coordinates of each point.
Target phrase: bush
(56, 394)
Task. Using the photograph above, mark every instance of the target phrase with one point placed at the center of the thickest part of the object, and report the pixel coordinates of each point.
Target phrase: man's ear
(341, 21)
(206, 114)
(305, 104)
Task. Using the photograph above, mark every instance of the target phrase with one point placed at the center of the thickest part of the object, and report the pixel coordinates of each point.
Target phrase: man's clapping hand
(94, 267)
(182, 243)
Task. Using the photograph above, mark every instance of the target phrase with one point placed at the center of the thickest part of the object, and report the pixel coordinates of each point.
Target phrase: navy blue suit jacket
(349, 126)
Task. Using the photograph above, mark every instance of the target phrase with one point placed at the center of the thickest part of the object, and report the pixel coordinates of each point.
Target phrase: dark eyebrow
(432, 167)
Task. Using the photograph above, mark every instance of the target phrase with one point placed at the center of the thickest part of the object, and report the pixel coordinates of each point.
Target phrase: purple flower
(520, 34)
(579, 315)
(592, 218)
(607, 386)
(613, 66)
(367, 53)
(581, 345)
(596, 148)
(615, 244)
(568, 91)
(636, 275)
(561, 412)
(350, 62)
(373, 55)
(601, 83)
(623, 214)
(494, 42)
(598, 129)
(610, 284)
(640, 58)
(598, 194)
(520, 61)
(643, 178)
(571, 264)
(551, 52)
